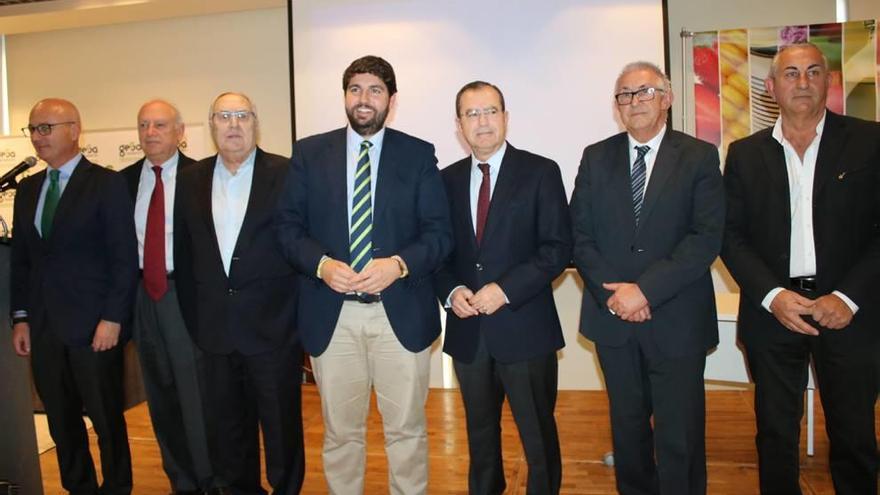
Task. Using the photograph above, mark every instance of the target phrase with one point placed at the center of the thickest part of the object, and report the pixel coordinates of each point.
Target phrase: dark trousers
(172, 376)
(247, 392)
(530, 387)
(68, 378)
(670, 458)
(846, 363)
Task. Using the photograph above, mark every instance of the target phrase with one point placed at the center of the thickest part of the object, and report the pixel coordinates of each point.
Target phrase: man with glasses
(364, 218)
(74, 269)
(512, 238)
(647, 216)
(238, 297)
(170, 363)
(803, 242)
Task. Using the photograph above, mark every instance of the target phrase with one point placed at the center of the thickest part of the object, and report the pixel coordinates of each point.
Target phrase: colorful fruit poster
(707, 92)
(734, 67)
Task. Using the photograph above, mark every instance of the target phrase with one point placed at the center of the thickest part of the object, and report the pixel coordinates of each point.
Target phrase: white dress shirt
(66, 171)
(802, 260)
(494, 162)
(229, 199)
(146, 184)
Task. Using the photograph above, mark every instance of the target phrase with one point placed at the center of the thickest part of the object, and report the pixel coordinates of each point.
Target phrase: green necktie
(51, 203)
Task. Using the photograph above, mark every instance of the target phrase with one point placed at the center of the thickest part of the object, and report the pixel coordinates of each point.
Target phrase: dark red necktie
(155, 277)
(483, 202)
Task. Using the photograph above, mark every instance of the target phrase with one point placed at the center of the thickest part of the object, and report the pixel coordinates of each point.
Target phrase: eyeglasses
(642, 94)
(226, 116)
(474, 113)
(41, 129)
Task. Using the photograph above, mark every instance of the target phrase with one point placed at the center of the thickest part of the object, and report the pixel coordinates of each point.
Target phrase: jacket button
(479, 267)
(231, 292)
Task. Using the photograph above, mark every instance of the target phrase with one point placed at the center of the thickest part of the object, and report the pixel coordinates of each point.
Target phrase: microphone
(7, 180)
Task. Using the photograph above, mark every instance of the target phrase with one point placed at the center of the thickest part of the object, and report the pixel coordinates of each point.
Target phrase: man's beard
(371, 126)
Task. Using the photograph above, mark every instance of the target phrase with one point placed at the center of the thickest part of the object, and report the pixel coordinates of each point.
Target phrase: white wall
(109, 71)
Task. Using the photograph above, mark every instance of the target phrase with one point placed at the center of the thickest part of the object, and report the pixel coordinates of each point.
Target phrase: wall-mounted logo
(130, 150)
(7, 156)
(89, 150)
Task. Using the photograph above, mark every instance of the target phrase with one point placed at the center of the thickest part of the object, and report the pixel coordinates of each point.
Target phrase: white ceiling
(65, 14)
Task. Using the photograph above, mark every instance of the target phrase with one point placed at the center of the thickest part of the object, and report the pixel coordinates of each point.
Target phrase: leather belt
(364, 298)
(803, 283)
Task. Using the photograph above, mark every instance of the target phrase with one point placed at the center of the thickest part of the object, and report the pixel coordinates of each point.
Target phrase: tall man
(803, 242)
(169, 360)
(364, 218)
(512, 238)
(74, 268)
(238, 297)
(648, 215)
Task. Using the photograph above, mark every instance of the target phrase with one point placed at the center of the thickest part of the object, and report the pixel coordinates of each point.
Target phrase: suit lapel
(206, 207)
(621, 185)
(388, 163)
(461, 195)
(502, 194)
(334, 156)
(664, 166)
(258, 201)
(30, 197)
(830, 147)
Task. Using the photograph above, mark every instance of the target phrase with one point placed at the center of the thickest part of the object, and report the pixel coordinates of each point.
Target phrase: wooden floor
(582, 418)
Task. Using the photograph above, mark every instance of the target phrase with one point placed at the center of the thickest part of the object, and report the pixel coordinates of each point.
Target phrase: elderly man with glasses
(74, 269)
(647, 216)
(238, 298)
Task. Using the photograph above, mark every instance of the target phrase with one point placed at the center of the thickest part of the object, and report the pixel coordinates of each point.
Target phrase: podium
(19, 461)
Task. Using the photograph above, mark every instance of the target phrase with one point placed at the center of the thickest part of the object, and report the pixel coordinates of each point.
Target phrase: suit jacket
(526, 244)
(87, 270)
(410, 219)
(253, 309)
(668, 254)
(846, 222)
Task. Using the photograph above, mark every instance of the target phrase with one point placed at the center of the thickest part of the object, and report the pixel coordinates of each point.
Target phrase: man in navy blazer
(364, 219)
(238, 298)
(74, 268)
(647, 217)
(170, 362)
(512, 238)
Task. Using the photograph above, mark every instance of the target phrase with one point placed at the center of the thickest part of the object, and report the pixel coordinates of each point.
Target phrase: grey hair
(178, 118)
(774, 65)
(643, 65)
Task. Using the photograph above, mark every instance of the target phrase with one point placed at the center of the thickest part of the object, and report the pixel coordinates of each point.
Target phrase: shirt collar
(164, 166)
(246, 166)
(654, 142)
(68, 167)
(494, 161)
(777, 129)
(354, 139)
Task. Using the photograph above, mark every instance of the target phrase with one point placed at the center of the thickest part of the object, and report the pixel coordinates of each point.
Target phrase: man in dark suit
(364, 219)
(803, 242)
(648, 216)
(238, 297)
(512, 238)
(74, 268)
(169, 360)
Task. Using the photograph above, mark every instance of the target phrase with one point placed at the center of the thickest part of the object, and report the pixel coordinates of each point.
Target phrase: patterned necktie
(483, 202)
(360, 236)
(639, 173)
(155, 276)
(53, 194)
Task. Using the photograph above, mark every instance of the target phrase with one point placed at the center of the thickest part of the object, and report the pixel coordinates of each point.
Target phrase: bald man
(74, 267)
(170, 363)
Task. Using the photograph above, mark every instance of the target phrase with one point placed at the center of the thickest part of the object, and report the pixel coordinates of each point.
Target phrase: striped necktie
(638, 176)
(360, 235)
(53, 194)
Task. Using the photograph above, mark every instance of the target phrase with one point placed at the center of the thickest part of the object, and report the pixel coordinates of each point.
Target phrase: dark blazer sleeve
(291, 219)
(592, 266)
(696, 251)
(120, 240)
(747, 266)
(523, 281)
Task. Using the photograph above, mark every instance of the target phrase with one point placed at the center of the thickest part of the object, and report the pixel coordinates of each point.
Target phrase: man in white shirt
(238, 297)
(170, 363)
(803, 241)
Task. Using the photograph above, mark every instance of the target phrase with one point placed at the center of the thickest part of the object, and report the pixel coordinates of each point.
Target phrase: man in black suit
(169, 360)
(74, 268)
(364, 219)
(238, 297)
(512, 238)
(648, 216)
(803, 242)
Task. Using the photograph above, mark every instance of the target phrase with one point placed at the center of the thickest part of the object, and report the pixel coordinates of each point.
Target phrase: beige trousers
(364, 354)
